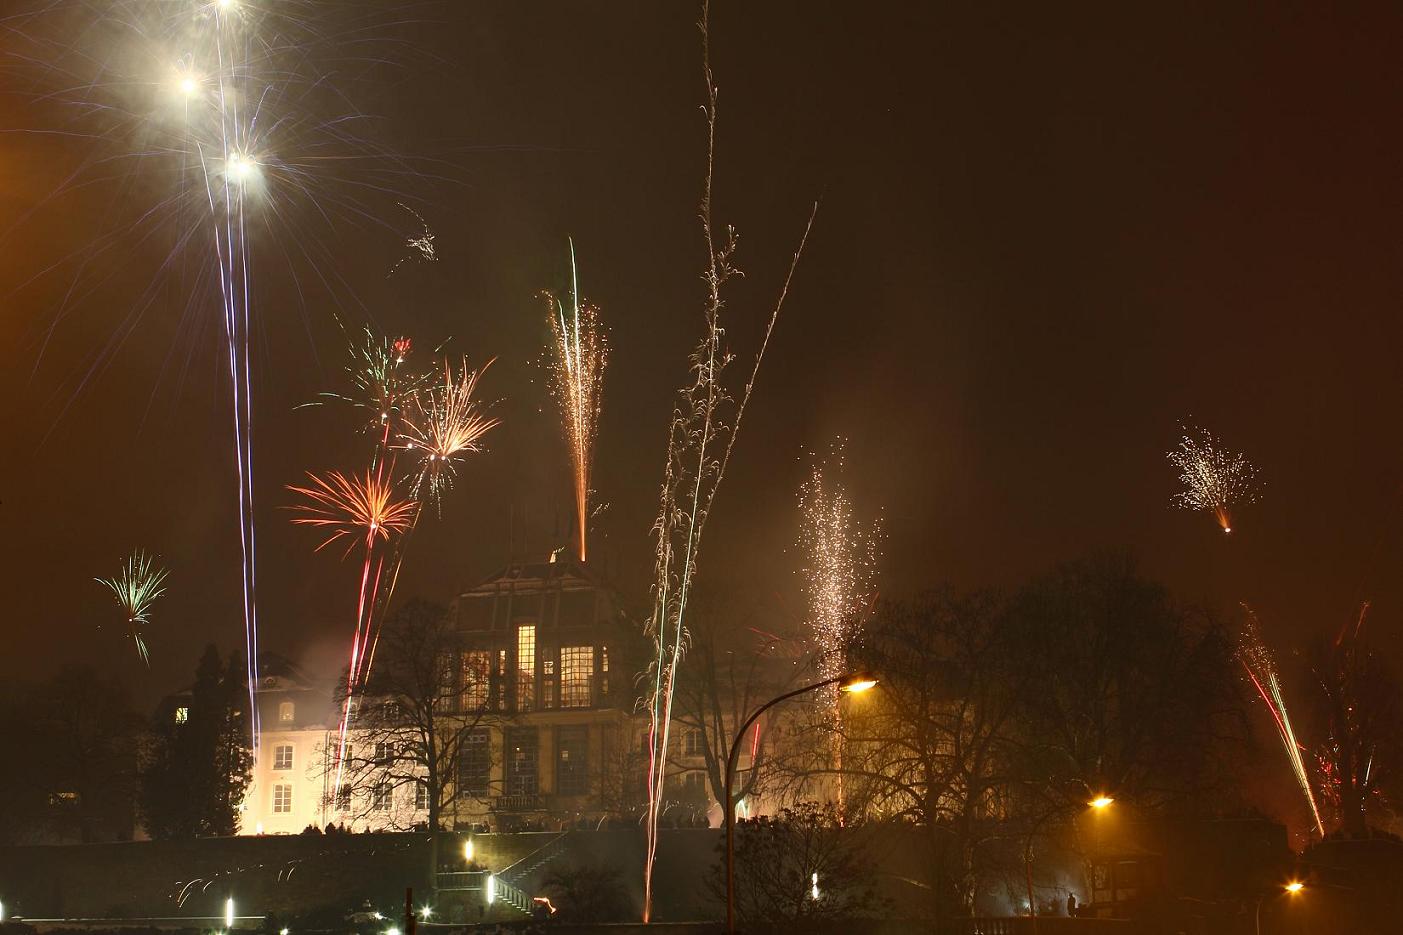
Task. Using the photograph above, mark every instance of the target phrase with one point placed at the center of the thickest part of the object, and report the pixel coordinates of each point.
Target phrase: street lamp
(1100, 802)
(1290, 889)
(853, 683)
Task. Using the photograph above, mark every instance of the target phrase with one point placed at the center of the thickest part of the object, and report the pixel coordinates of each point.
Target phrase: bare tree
(800, 867)
(419, 745)
(1357, 710)
(732, 668)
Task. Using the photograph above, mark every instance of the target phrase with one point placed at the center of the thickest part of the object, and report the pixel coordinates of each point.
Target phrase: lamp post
(854, 683)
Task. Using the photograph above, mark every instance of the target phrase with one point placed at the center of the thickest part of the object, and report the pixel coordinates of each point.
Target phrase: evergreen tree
(198, 767)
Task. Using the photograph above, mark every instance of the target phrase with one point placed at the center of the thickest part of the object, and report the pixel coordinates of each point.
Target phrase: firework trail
(1214, 479)
(136, 586)
(699, 448)
(1260, 666)
(580, 352)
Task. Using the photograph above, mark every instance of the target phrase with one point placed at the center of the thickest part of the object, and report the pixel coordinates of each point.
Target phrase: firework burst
(1215, 480)
(446, 424)
(353, 508)
(136, 586)
(1258, 662)
(579, 354)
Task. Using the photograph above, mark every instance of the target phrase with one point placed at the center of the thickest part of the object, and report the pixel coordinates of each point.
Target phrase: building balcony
(518, 803)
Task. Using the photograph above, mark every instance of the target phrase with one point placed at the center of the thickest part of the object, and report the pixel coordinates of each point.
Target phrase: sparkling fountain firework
(1215, 480)
(840, 568)
(840, 562)
(699, 447)
(579, 354)
(136, 586)
(1260, 666)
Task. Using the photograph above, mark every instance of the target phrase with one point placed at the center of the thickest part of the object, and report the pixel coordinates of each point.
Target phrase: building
(288, 789)
(546, 646)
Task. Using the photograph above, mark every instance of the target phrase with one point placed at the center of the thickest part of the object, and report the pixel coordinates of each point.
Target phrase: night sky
(1046, 236)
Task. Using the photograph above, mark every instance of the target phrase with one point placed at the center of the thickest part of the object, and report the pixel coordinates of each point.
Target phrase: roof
(561, 571)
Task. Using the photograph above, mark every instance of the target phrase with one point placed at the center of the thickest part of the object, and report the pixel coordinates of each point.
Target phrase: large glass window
(522, 751)
(380, 798)
(474, 677)
(474, 761)
(576, 676)
(282, 798)
(572, 761)
(692, 742)
(421, 796)
(525, 667)
(282, 756)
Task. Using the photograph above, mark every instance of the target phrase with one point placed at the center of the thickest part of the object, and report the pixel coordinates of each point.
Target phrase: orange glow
(1295, 886)
(1100, 802)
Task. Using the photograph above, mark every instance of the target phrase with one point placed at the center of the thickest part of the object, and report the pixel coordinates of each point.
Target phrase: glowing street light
(853, 683)
(1290, 889)
(1100, 802)
(856, 684)
(229, 913)
(468, 851)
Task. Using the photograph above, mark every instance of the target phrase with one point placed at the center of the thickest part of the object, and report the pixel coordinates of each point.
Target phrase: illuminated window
(282, 798)
(692, 743)
(286, 712)
(576, 676)
(522, 747)
(474, 761)
(182, 714)
(525, 666)
(604, 670)
(380, 798)
(572, 761)
(282, 756)
(474, 673)
(421, 796)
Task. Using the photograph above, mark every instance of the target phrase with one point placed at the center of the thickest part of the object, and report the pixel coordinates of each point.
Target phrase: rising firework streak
(579, 353)
(1257, 660)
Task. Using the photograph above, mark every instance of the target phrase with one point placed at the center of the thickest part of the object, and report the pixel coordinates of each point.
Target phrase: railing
(461, 880)
(517, 803)
(536, 859)
(1045, 925)
(504, 892)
